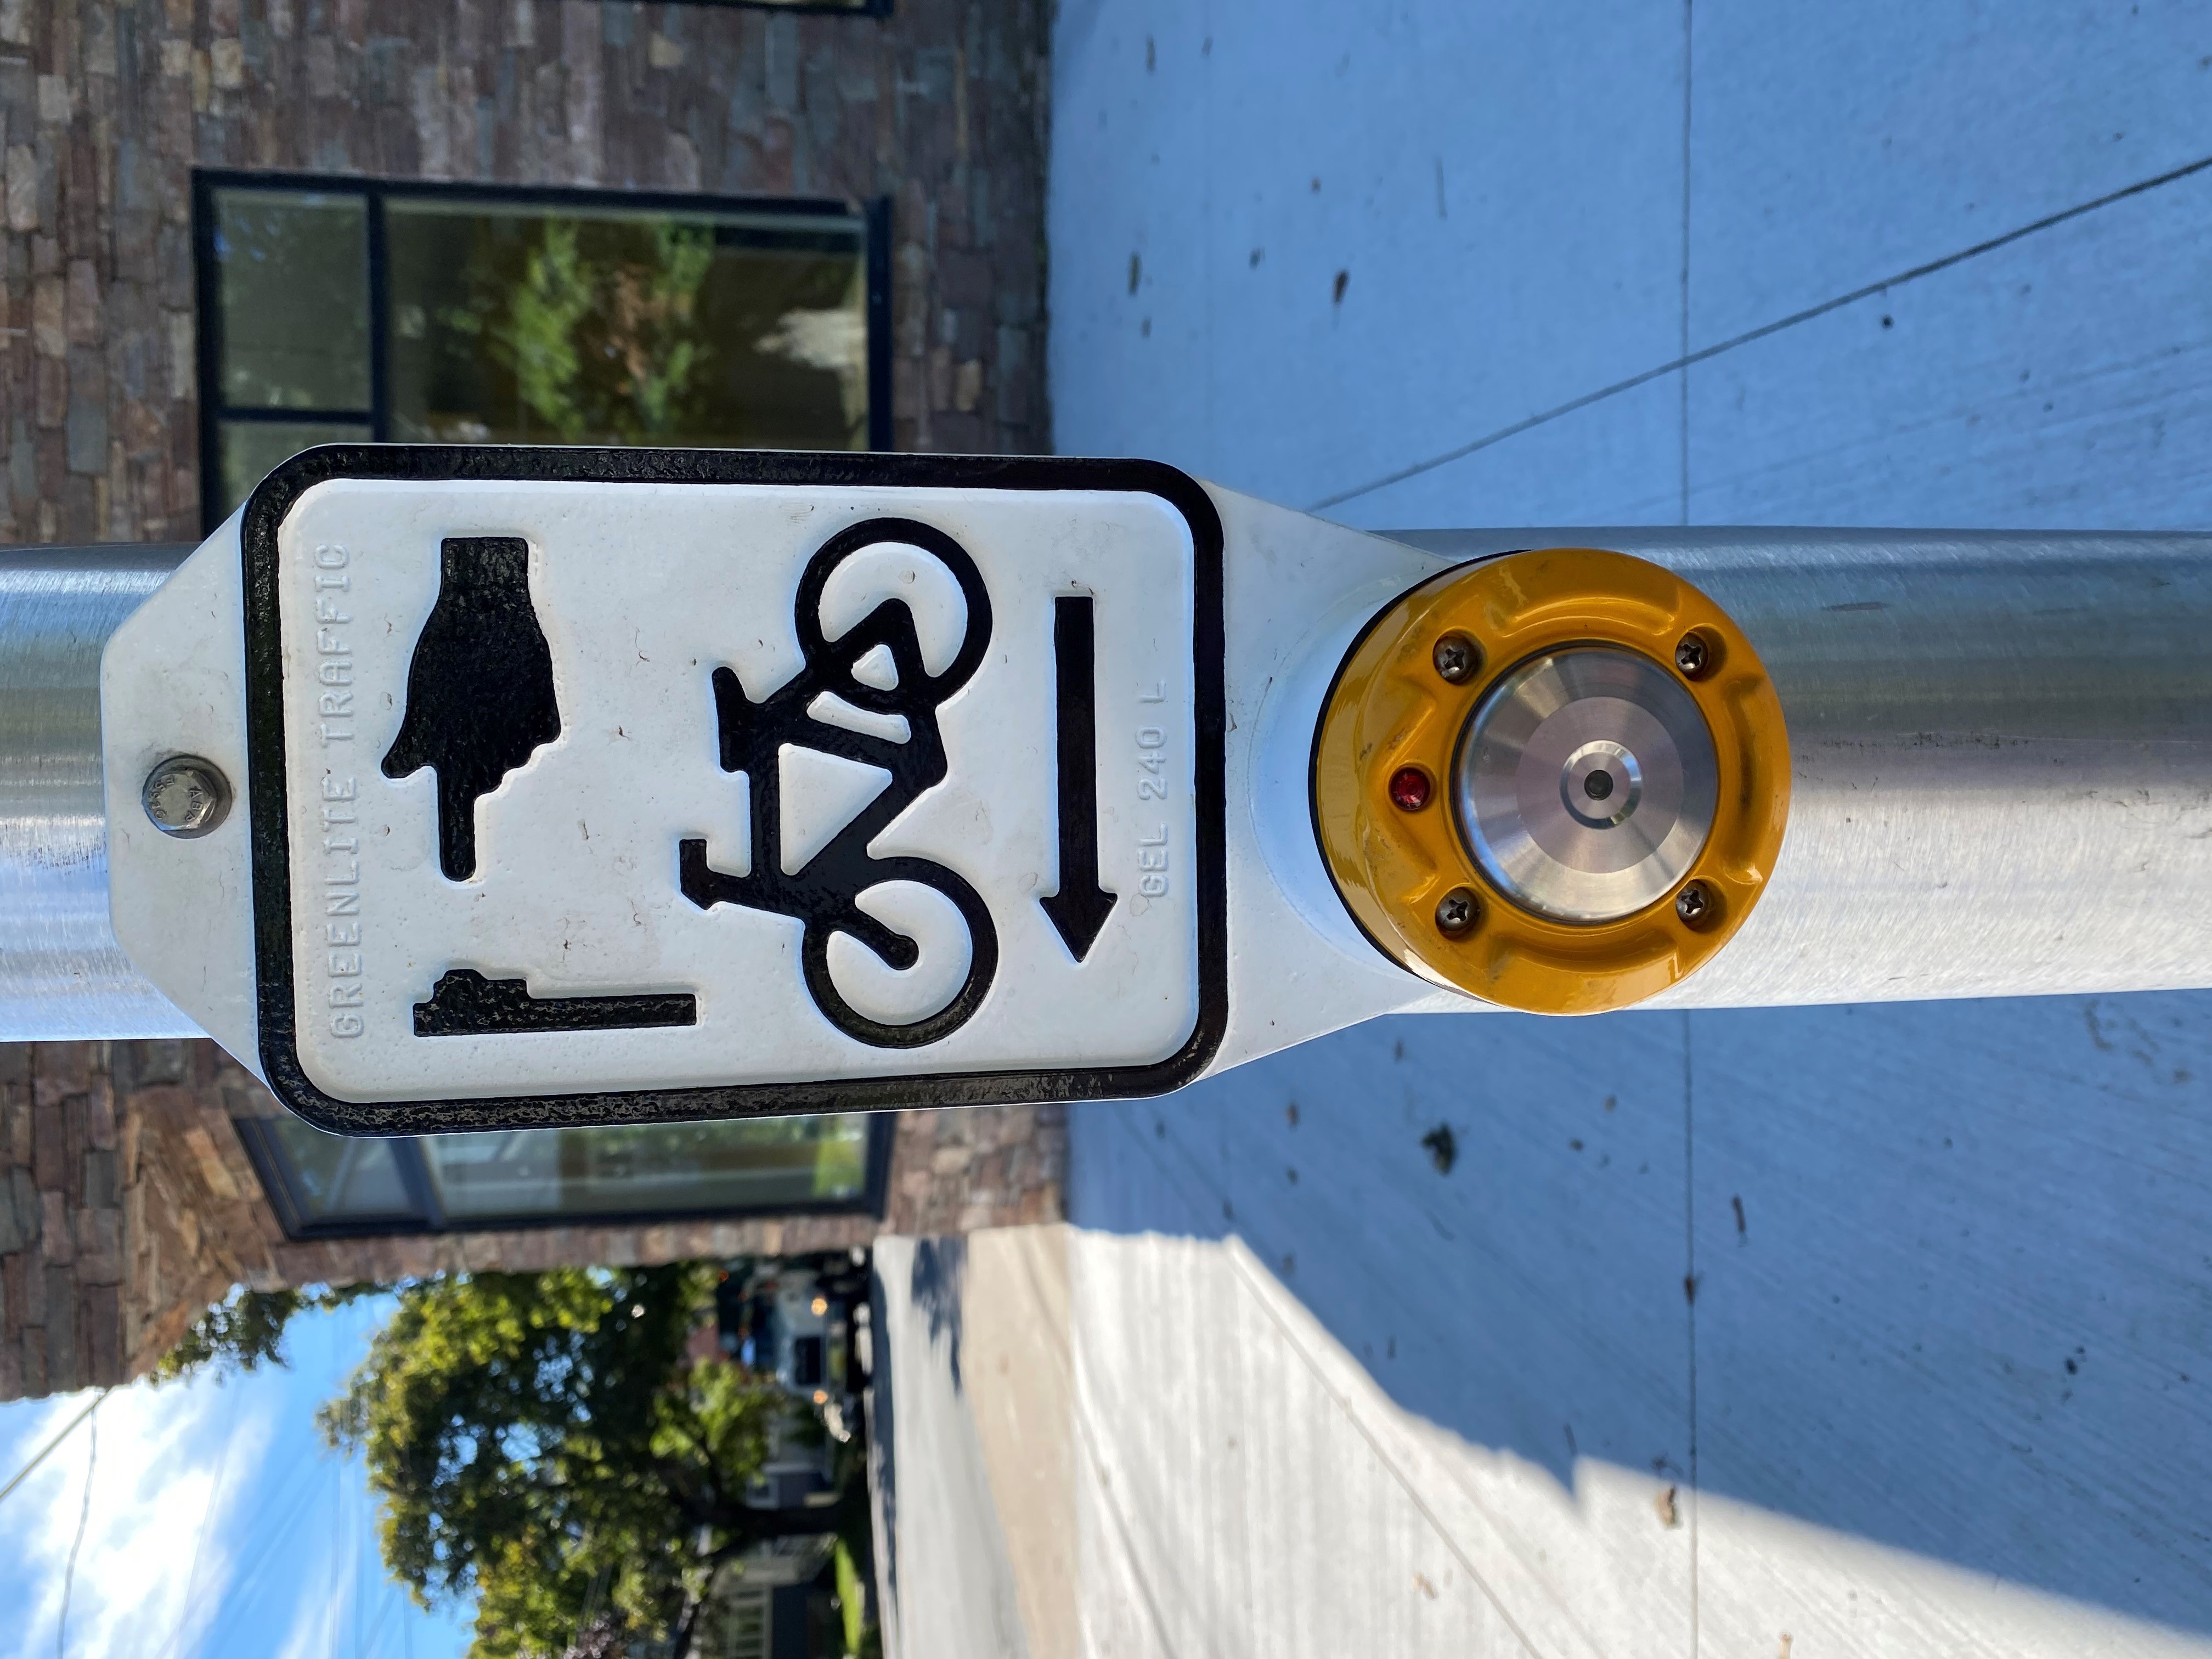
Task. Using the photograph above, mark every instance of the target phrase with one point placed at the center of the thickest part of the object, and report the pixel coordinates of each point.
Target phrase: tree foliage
(600, 327)
(542, 1442)
(245, 1330)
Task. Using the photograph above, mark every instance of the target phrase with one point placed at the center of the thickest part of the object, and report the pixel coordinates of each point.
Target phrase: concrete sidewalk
(1146, 1445)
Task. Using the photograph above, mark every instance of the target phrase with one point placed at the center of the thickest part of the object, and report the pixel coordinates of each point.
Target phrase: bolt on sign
(756, 783)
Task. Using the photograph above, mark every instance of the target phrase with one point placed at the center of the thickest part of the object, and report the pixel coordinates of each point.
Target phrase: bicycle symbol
(824, 892)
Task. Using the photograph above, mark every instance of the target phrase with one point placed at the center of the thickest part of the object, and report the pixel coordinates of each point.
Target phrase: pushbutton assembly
(1611, 780)
(1208, 742)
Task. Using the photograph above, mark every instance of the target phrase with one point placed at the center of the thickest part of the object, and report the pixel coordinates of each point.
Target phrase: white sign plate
(591, 785)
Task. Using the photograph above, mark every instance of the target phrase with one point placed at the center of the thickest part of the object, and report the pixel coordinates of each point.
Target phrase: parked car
(793, 1319)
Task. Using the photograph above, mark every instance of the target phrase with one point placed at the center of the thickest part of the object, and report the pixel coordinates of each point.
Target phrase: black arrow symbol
(1081, 906)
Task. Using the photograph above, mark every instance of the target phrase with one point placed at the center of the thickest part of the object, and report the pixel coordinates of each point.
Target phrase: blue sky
(218, 1529)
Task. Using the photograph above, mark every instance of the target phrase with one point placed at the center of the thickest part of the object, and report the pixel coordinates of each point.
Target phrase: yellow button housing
(1393, 707)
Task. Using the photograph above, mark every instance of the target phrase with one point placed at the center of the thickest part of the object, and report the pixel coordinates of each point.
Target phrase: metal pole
(61, 974)
(2000, 745)
(2002, 756)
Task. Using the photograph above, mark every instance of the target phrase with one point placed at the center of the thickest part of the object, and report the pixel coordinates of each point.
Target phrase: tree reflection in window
(337, 310)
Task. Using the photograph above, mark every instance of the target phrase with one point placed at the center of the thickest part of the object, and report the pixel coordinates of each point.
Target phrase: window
(325, 1184)
(334, 310)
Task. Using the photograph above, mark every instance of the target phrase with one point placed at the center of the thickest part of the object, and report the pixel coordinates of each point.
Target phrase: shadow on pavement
(1939, 1276)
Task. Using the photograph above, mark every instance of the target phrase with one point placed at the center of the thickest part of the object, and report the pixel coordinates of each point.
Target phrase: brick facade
(127, 1205)
(107, 107)
(126, 1202)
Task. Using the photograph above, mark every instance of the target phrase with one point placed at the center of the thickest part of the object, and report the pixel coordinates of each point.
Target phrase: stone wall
(128, 1205)
(63, 1158)
(955, 1171)
(107, 107)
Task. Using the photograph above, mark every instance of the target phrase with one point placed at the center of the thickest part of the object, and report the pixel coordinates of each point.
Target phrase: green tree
(542, 1442)
(537, 337)
(245, 1330)
(599, 328)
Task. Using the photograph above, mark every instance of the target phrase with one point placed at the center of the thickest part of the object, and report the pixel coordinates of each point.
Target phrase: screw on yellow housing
(1435, 886)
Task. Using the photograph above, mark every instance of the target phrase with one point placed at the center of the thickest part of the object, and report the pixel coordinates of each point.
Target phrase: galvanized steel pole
(2001, 746)
(61, 974)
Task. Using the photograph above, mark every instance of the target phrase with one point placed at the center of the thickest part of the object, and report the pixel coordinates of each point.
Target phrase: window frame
(874, 217)
(272, 1166)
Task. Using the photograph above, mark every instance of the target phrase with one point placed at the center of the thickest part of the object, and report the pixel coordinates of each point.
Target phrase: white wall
(1946, 1384)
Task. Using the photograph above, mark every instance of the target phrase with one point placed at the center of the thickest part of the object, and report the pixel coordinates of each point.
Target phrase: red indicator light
(1409, 789)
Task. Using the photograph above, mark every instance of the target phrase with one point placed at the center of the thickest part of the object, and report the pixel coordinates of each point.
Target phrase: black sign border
(272, 502)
